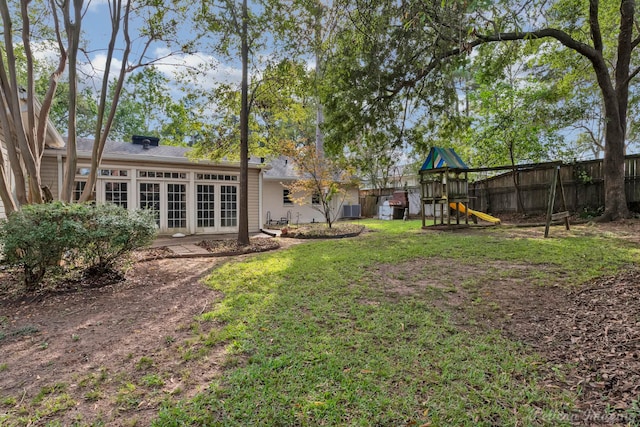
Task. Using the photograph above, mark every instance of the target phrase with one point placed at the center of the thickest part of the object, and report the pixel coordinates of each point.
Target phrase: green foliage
(111, 232)
(39, 237)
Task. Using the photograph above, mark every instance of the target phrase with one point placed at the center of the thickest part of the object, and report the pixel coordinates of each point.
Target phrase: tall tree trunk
(318, 54)
(73, 34)
(243, 220)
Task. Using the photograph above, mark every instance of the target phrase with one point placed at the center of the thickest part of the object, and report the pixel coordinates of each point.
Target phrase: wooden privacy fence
(583, 187)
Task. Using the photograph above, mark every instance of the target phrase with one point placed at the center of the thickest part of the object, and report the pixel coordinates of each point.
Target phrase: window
(315, 198)
(78, 188)
(286, 197)
(176, 205)
(206, 205)
(113, 172)
(228, 206)
(159, 174)
(116, 193)
(215, 177)
(150, 198)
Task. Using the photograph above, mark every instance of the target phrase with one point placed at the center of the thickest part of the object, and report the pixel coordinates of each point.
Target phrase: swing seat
(560, 215)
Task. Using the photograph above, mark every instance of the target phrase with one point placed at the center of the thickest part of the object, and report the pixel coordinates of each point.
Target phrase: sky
(97, 30)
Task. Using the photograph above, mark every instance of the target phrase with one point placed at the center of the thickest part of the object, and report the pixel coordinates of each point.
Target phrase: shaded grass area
(313, 339)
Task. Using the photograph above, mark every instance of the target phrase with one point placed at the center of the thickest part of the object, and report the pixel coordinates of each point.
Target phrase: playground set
(444, 179)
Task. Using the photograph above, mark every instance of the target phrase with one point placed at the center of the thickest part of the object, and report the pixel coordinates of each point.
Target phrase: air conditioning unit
(351, 211)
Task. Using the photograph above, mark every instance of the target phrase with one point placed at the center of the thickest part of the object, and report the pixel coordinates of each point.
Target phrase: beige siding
(49, 174)
(273, 203)
(254, 201)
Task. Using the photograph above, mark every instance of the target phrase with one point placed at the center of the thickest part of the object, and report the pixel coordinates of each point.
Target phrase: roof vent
(146, 141)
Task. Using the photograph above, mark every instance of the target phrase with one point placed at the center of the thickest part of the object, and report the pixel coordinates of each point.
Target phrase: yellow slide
(481, 215)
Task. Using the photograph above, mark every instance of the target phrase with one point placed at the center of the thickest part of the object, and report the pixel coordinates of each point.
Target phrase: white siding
(273, 205)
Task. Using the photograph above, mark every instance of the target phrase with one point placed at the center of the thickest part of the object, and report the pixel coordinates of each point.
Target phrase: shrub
(112, 232)
(93, 236)
(36, 237)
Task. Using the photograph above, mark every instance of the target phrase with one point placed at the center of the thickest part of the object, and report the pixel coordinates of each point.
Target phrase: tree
(246, 30)
(162, 26)
(320, 178)
(375, 155)
(235, 21)
(401, 50)
(60, 24)
(24, 135)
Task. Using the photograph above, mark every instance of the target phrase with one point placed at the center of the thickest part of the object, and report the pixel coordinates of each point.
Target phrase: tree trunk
(73, 34)
(243, 220)
(613, 168)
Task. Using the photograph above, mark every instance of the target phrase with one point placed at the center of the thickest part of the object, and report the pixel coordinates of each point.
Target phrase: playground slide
(483, 216)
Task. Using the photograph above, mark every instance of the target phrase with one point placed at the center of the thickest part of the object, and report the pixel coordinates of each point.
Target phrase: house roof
(118, 150)
(85, 145)
(281, 168)
(440, 157)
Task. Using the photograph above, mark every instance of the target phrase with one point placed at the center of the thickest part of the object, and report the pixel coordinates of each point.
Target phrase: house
(187, 196)
(278, 206)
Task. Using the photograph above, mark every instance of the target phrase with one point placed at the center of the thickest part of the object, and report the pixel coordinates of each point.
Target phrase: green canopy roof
(443, 158)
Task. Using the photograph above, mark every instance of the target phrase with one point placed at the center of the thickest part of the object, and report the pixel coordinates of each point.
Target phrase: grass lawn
(315, 336)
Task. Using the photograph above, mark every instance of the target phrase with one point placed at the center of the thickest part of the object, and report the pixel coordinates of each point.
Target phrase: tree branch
(594, 25)
(589, 52)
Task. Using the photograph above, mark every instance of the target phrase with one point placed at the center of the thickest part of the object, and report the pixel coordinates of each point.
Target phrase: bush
(112, 232)
(37, 237)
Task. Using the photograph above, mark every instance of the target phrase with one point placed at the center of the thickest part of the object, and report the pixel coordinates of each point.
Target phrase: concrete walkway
(188, 250)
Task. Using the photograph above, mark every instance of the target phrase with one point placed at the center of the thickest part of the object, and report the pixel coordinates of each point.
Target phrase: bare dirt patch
(111, 350)
(591, 334)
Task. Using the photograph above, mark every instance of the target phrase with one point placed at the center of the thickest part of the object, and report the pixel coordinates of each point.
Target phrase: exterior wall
(275, 208)
(254, 201)
(49, 174)
(170, 187)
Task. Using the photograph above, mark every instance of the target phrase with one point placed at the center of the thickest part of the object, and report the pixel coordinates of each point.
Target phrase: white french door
(168, 201)
(216, 208)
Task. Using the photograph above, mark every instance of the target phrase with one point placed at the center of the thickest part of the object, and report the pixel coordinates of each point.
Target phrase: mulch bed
(231, 247)
(593, 332)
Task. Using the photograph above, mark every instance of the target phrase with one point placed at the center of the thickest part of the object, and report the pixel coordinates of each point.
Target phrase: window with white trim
(116, 193)
(228, 205)
(206, 205)
(176, 205)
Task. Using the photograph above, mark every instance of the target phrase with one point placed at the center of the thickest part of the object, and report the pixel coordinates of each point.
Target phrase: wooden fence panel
(582, 181)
